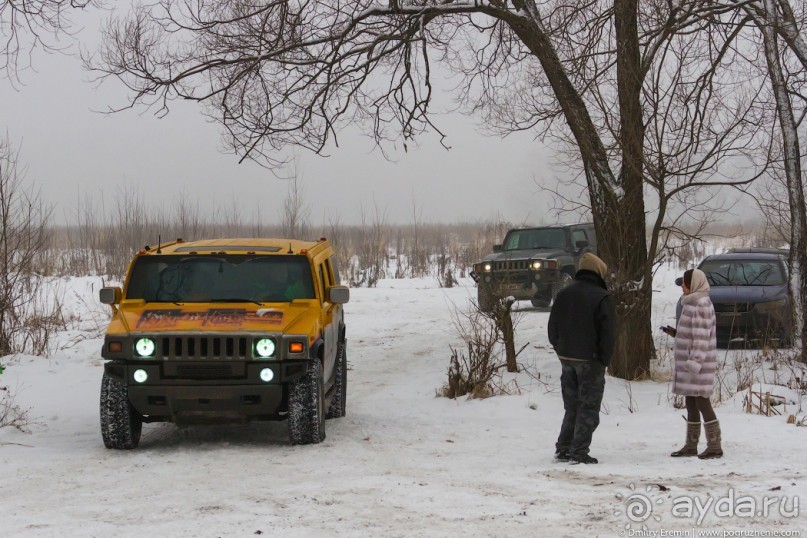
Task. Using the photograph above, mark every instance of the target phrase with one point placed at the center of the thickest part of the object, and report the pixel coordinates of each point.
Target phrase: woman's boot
(691, 446)
(713, 449)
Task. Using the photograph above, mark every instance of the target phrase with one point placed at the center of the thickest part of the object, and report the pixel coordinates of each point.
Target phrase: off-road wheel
(339, 399)
(540, 302)
(307, 407)
(121, 425)
(565, 280)
(546, 302)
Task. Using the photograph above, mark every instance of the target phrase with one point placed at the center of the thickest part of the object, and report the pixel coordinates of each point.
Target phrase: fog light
(140, 376)
(267, 375)
(145, 347)
(265, 347)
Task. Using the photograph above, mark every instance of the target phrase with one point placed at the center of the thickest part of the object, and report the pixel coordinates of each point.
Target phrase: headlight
(145, 347)
(267, 375)
(537, 265)
(140, 376)
(265, 348)
(487, 267)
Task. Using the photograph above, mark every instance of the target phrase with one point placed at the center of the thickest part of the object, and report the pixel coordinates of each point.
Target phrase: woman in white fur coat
(695, 365)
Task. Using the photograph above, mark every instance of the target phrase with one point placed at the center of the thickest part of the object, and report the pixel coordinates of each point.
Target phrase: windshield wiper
(235, 300)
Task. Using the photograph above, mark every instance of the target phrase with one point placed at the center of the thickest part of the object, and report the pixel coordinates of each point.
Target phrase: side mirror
(110, 295)
(339, 294)
(582, 244)
(497, 248)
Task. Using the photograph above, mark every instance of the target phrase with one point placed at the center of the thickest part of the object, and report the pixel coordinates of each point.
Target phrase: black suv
(533, 263)
(750, 296)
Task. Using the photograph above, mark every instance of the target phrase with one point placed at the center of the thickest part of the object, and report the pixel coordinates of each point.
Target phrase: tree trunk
(617, 205)
(792, 160)
(624, 245)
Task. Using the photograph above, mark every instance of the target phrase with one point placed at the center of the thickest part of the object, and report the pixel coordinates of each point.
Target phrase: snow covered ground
(403, 462)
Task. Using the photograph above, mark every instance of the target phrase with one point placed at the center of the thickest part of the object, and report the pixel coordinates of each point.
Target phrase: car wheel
(307, 407)
(339, 400)
(540, 302)
(121, 425)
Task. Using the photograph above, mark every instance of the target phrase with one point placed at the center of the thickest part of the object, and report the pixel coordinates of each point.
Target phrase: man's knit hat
(590, 262)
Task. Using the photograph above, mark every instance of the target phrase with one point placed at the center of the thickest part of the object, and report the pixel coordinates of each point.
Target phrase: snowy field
(403, 462)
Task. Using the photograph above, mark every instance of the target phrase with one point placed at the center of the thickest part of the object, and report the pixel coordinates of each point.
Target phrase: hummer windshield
(536, 238)
(743, 273)
(220, 278)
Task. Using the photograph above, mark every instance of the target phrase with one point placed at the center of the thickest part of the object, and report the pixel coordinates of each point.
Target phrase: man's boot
(691, 445)
(713, 449)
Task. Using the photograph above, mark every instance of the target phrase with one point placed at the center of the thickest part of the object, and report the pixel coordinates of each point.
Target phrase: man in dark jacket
(582, 329)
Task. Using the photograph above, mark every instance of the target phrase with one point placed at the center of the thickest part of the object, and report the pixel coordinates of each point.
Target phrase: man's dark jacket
(582, 323)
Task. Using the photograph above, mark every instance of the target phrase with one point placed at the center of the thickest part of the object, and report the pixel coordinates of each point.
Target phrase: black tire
(484, 299)
(338, 405)
(121, 425)
(540, 302)
(307, 407)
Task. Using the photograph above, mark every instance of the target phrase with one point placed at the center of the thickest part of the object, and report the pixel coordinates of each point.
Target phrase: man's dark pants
(582, 384)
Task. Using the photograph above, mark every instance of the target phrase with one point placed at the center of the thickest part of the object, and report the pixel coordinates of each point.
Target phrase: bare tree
(283, 73)
(29, 24)
(373, 247)
(296, 210)
(23, 222)
(777, 20)
(792, 153)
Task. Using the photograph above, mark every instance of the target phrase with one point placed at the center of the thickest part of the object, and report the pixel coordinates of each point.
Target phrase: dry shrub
(472, 372)
(11, 414)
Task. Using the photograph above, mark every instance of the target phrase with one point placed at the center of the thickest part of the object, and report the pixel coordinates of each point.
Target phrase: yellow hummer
(225, 330)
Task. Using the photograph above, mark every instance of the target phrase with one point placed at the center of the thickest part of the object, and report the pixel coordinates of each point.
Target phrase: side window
(331, 276)
(321, 271)
(592, 237)
(578, 235)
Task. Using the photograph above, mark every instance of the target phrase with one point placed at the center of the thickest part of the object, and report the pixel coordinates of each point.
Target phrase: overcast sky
(72, 151)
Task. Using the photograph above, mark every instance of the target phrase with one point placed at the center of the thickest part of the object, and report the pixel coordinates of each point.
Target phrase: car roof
(750, 255)
(541, 227)
(233, 245)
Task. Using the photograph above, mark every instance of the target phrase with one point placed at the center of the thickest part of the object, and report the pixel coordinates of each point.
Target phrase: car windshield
(220, 278)
(536, 238)
(743, 273)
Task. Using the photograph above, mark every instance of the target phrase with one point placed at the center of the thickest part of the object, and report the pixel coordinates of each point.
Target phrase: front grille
(204, 347)
(732, 307)
(512, 265)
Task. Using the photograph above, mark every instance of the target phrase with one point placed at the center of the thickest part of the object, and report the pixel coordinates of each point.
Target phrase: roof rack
(760, 250)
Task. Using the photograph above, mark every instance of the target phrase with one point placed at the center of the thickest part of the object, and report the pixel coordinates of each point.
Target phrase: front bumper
(188, 392)
(519, 284)
(751, 325)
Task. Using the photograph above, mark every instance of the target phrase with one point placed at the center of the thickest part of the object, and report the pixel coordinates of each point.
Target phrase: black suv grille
(512, 265)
